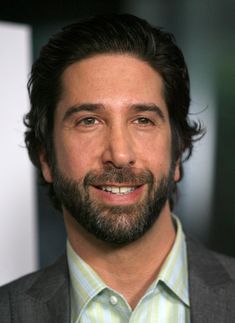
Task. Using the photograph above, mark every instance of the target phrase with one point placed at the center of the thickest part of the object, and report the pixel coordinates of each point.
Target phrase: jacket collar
(210, 286)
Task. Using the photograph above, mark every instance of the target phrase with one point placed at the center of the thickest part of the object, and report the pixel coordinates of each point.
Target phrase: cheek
(75, 157)
(156, 153)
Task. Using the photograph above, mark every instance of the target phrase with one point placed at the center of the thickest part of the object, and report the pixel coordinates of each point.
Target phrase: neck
(121, 268)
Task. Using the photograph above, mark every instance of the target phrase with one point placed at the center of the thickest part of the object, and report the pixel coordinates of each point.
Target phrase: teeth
(118, 190)
(124, 190)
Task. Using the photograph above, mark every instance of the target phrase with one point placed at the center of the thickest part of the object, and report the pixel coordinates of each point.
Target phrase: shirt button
(113, 300)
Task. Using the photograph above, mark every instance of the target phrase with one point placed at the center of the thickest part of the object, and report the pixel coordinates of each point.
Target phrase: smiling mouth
(118, 190)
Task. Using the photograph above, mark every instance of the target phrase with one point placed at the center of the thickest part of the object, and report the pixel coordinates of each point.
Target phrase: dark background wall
(203, 29)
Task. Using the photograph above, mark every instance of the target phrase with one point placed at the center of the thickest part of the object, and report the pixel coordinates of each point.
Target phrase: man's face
(112, 139)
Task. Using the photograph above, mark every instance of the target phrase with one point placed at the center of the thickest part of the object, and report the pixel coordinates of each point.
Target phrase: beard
(116, 225)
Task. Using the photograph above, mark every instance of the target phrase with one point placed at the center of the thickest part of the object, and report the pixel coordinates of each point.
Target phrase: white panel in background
(18, 252)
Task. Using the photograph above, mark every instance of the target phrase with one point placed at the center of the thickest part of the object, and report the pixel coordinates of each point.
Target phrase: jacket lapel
(211, 287)
(51, 292)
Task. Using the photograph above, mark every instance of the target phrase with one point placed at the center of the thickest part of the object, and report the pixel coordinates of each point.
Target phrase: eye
(143, 121)
(89, 121)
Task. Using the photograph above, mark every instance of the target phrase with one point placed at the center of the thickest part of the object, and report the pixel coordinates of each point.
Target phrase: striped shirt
(165, 301)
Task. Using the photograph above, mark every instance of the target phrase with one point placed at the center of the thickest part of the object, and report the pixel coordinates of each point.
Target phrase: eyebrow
(91, 107)
(151, 107)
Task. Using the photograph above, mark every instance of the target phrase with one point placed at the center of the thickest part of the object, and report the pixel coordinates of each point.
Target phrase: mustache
(120, 176)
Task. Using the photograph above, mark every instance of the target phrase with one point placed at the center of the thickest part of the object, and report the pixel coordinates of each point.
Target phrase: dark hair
(112, 33)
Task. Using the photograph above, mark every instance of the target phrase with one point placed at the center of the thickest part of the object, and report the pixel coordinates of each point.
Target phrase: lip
(118, 199)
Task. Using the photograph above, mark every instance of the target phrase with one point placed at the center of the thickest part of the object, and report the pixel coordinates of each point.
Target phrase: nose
(119, 148)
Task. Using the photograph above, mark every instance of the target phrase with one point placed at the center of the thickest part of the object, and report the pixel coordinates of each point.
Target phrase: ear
(177, 172)
(46, 170)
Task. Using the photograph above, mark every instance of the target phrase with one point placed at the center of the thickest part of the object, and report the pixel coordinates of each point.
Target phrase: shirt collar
(85, 283)
(174, 272)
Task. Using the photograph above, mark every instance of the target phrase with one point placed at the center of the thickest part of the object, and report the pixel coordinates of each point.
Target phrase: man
(107, 129)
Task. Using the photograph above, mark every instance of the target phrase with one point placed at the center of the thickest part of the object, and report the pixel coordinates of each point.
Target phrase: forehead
(111, 79)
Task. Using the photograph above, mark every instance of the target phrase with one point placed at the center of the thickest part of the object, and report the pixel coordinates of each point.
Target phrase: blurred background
(32, 233)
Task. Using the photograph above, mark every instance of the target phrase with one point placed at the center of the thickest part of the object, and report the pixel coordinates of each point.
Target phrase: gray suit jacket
(43, 297)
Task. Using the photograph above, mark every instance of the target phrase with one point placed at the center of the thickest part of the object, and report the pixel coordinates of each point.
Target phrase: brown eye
(90, 121)
(143, 121)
